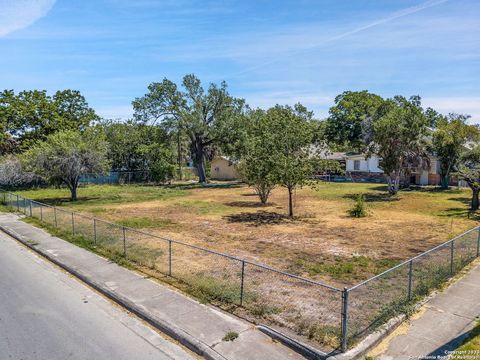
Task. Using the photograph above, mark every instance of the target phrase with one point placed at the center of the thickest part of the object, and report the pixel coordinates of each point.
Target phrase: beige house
(222, 168)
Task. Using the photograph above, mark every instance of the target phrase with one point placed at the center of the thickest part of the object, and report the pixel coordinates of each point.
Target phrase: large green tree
(449, 140)
(64, 156)
(345, 126)
(398, 133)
(32, 115)
(469, 171)
(205, 116)
(126, 140)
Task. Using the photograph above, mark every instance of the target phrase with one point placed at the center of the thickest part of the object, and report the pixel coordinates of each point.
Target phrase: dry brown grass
(231, 220)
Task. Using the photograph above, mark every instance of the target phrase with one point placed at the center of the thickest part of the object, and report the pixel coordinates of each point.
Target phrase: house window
(356, 165)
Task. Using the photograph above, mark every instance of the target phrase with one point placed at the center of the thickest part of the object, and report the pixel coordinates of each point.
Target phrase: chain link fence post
(73, 224)
(242, 283)
(55, 216)
(410, 280)
(124, 242)
(452, 247)
(169, 257)
(30, 202)
(18, 204)
(344, 339)
(41, 212)
(478, 242)
(94, 231)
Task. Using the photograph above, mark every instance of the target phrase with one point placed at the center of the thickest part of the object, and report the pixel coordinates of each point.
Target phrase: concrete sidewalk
(439, 326)
(197, 326)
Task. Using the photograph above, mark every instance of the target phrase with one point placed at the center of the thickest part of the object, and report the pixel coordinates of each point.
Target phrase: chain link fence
(332, 317)
(376, 300)
(117, 177)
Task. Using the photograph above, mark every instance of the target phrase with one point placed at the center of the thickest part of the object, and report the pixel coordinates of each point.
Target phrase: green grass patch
(262, 309)
(343, 267)
(94, 196)
(144, 256)
(207, 290)
(145, 222)
(230, 336)
(472, 343)
(82, 241)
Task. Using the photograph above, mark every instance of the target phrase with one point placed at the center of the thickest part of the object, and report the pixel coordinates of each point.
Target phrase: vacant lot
(321, 242)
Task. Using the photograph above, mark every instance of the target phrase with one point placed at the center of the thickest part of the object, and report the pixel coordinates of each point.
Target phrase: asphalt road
(47, 314)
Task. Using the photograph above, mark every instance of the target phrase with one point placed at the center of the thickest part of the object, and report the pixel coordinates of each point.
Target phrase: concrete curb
(164, 326)
(372, 340)
(299, 347)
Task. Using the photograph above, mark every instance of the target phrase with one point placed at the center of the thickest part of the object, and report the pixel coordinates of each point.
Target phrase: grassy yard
(471, 346)
(321, 242)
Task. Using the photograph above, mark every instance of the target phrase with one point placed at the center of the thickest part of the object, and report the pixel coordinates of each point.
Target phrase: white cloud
(460, 105)
(19, 14)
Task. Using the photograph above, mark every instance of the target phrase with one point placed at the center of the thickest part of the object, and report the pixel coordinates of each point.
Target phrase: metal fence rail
(333, 317)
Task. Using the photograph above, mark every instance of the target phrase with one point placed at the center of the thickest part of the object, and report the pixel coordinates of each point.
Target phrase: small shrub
(208, 289)
(359, 208)
(324, 334)
(230, 336)
(263, 309)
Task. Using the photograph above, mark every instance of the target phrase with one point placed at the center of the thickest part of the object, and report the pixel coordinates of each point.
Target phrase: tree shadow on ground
(248, 204)
(66, 200)
(259, 218)
(373, 197)
(431, 189)
(249, 194)
(463, 200)
(189, 186)
(460, 212)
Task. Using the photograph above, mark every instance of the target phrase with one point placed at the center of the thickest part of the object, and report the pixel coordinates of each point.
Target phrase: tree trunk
(263, 192)
(290, 202)
(73, 192)
(393, 181)
(179, 157)
(397, 183)
(199, 159)
(475, 201)
(444, 182)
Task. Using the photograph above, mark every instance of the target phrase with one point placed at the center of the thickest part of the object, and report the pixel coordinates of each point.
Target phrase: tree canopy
(398, 132)
(278, 150)
(64, 156)
(450, 140)
(345, 124)
(206, 116)
(32, 115)
(469, 171)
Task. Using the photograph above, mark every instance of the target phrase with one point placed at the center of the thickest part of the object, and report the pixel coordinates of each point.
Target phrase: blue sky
(268, 51)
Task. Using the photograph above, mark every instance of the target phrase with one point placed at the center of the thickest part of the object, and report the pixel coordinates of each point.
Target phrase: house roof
(226, 158)
(335, 156)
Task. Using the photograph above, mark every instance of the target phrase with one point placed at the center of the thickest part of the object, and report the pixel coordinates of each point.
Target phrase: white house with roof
(360, 167)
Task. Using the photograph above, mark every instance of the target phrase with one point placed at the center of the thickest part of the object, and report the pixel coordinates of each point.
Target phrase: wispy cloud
(332, 39)
(19, 14)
